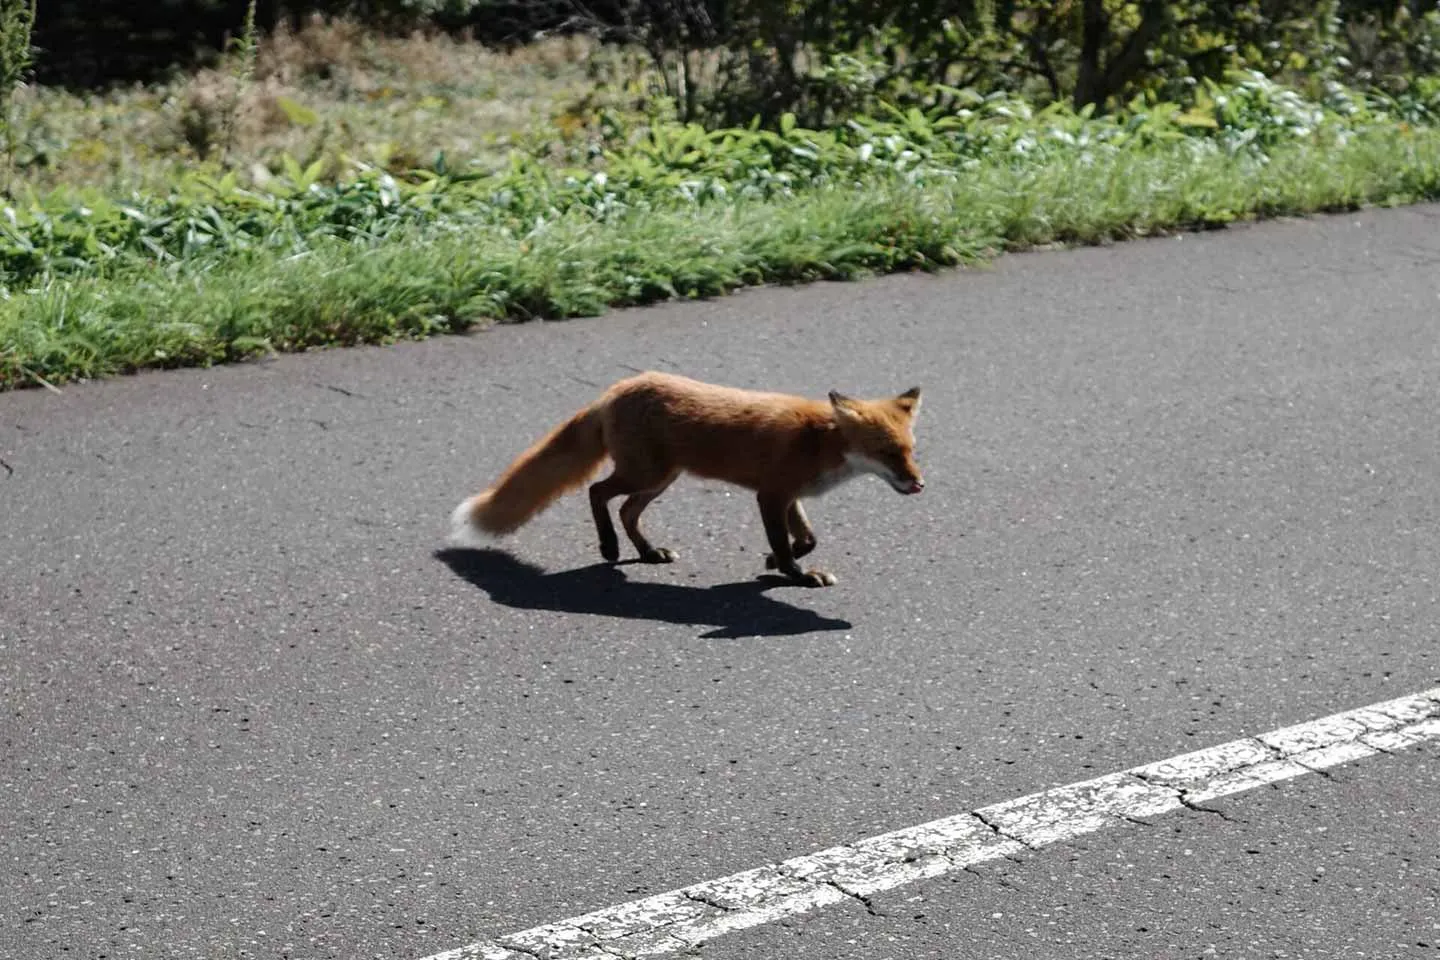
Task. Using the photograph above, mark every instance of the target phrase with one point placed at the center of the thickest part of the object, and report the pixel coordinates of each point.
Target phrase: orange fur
(655, 426)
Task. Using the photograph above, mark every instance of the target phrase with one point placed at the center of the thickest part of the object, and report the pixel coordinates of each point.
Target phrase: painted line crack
(995, 828)
(703, 900)
(608, 951)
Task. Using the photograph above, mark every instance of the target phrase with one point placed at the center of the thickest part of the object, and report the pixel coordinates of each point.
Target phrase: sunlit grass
(446, 278)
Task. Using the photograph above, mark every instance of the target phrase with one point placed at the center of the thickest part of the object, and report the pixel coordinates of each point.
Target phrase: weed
(17, 20)
(246, 50)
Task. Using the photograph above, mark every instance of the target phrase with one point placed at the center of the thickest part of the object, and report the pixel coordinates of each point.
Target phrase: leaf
(296, 112)
(249, 344)
(311, 174)
(1196, 118)
(291, 166)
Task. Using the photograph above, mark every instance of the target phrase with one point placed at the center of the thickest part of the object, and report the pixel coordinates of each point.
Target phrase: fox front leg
(802, 535)
(775, 513)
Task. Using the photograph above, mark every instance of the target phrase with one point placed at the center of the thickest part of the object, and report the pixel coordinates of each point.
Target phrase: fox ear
(909, 401)
(842, 404)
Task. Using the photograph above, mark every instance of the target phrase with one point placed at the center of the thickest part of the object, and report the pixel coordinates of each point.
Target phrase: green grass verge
(448, 278)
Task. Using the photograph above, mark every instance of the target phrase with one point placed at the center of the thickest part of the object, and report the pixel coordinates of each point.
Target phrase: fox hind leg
(630, 511)
(638, 493)
(601, 493)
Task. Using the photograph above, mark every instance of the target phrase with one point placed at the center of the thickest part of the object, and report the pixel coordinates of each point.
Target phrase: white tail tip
(462, 530)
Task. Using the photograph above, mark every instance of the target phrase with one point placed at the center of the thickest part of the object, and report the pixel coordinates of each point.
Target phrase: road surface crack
(1189, 804)
(864, 900)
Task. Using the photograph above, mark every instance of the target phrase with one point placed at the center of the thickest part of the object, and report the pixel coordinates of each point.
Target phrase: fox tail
(561, 461)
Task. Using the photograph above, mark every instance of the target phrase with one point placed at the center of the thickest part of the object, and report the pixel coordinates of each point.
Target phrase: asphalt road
(1179, 491)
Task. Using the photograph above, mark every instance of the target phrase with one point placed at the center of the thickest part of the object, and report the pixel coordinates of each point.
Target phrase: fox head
(881, 436)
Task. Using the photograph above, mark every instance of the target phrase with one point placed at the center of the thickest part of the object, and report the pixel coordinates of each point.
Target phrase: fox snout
(897, 469)
(900, 472)
(909, 486)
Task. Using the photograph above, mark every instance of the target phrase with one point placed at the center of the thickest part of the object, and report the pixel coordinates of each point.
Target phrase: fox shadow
(733, 609)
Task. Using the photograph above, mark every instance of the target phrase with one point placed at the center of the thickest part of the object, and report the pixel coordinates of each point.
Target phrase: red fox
(655, 426)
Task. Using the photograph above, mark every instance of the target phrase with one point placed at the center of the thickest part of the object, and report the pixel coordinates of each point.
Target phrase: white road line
(682, 919)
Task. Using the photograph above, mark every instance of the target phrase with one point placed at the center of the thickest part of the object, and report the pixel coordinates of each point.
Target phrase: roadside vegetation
(332, 181)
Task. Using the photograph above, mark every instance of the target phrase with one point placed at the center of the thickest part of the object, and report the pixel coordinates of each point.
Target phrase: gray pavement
(1338, 866)
(1179, 491)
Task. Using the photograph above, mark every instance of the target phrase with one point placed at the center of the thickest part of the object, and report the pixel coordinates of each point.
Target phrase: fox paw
(814, 578)
(658, 555)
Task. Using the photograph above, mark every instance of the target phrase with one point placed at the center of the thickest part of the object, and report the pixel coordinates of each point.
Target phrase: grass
(447, 277)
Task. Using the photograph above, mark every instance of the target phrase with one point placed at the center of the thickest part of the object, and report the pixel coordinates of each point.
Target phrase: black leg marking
(774, 513)
(630, 512)
(802, 536)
